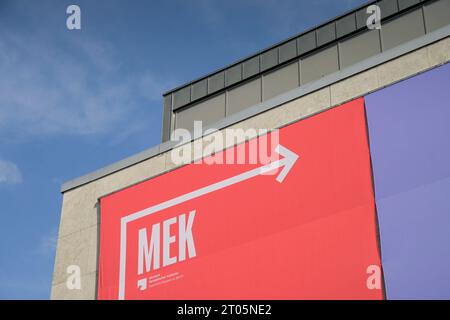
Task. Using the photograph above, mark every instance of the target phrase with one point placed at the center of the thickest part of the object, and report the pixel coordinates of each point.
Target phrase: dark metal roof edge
(371, 62)
(350, 11)
(205, 76)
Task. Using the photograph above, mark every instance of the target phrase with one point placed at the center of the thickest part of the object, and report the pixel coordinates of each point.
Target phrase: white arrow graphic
(287, 162)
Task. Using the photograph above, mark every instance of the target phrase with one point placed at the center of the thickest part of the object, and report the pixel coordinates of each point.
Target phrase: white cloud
(47, 243)
(67, 86)
(9, 173)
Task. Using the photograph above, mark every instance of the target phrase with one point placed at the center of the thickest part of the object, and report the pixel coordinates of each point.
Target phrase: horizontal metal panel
(199, 89)
(319, 65)
(437, 15)
(402, 29)
(269, 59)
(181, 97)
(251, 67)
(216, 82)
(306, 42)
(233, 75)
(281, 80)
(388, 8)
(359, 47)
(346, 25)
(288, 51)
(243, 96)
(404, 4)
(326, 34)
(208, 112)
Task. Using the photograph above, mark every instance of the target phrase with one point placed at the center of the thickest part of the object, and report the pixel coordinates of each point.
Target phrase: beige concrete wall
(78, 231)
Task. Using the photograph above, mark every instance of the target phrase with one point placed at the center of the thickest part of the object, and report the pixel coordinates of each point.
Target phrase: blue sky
(74, 101)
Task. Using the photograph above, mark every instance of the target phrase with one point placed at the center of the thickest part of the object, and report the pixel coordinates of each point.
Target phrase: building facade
(369, 105)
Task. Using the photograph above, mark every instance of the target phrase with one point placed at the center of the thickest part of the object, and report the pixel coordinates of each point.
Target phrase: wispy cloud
(47, 243)
(63, 86)
(9, 173)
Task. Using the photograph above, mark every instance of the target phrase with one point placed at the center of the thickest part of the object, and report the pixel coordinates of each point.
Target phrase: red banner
(235, 231)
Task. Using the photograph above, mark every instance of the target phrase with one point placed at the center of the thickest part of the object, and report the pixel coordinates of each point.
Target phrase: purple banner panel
(409, 132)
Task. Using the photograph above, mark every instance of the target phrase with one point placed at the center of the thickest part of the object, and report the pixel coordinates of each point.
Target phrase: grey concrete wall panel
(281, 80)
(243, 96)
(404, 4)
(346, 25)
(402, 29)
(437, 15)
(199, 89)
(359, 48)
(181, 97)
(209, 111)
(361, 18)
(306, 42)
(233, 75)
(288, 51)
(250, 67)
(326, 34)
(316, 66)
(269, 59)
(388, 8)
(216, 82)
(167, 118)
